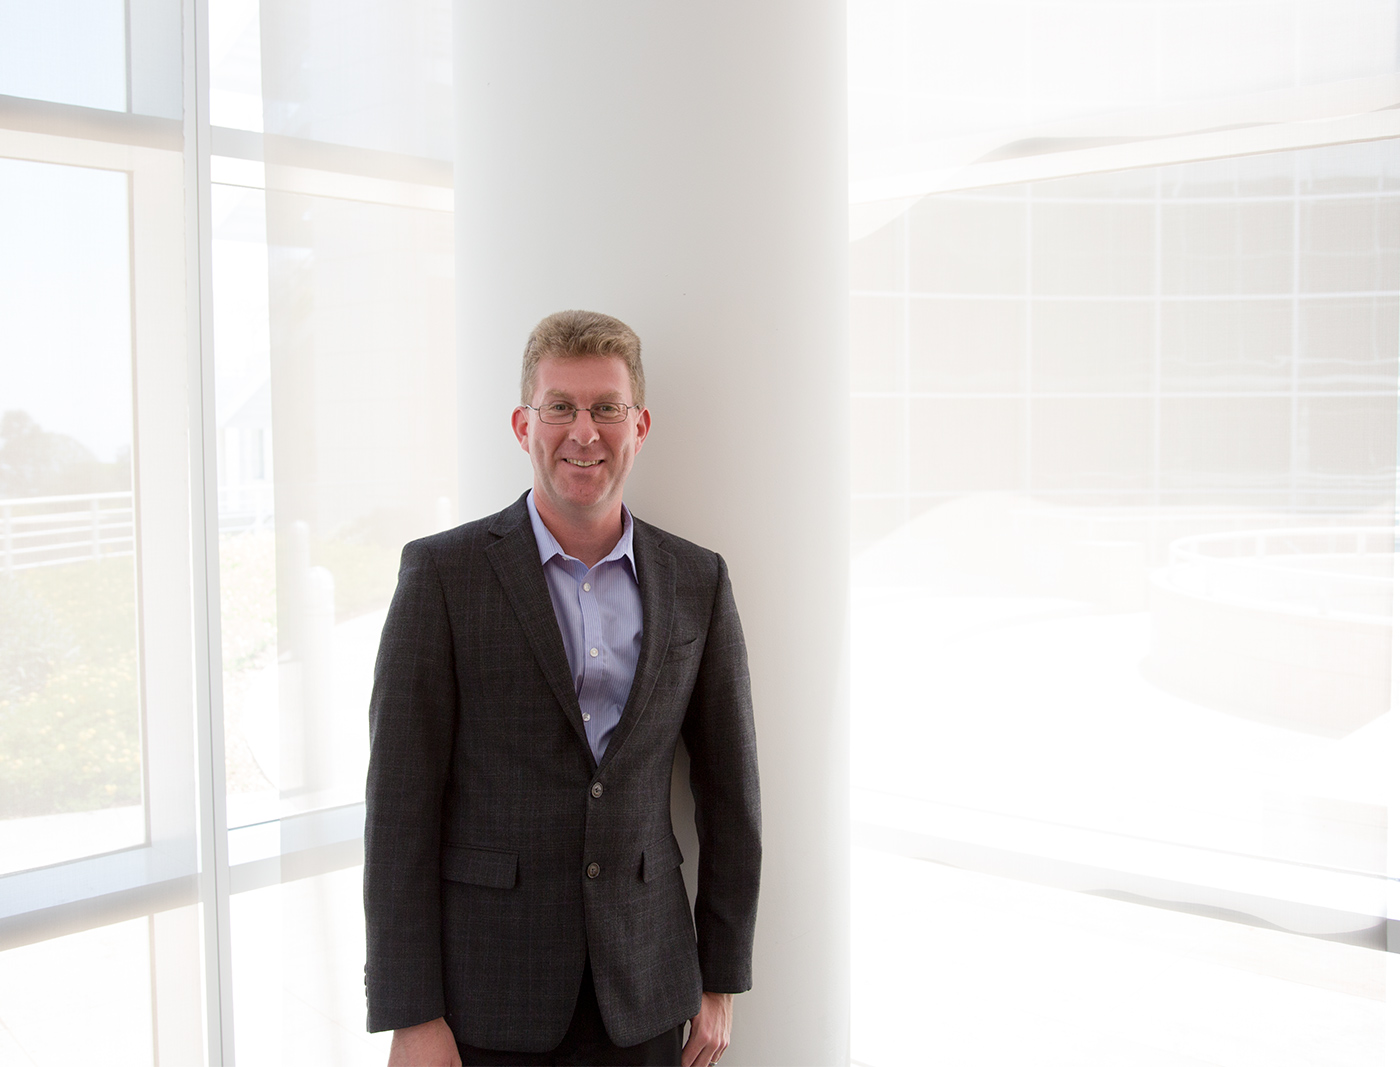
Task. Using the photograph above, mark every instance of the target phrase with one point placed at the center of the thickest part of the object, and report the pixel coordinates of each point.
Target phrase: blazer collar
(516, 560)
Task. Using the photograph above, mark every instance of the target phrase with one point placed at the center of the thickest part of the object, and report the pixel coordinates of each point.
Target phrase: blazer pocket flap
(684, 644)
(661, 856)
(479, 866)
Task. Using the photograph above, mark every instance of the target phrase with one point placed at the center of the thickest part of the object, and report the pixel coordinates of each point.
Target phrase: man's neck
(587, 537)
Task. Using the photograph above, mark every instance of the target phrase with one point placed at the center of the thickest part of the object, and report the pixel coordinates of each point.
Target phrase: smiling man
(524, 902)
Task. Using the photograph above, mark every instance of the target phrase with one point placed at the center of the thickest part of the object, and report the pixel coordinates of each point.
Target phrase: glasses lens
(608, 412)
(557, 413)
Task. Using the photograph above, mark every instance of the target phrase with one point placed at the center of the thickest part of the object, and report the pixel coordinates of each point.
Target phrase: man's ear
(643, 427)
(520, 423)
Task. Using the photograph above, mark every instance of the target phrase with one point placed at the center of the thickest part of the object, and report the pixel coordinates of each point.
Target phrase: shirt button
(586, 716)
(586, 587)
(597, 789)
(594, 870)
(592, 651)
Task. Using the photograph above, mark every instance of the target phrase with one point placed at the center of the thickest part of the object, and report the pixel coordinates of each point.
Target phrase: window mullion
(213, 821)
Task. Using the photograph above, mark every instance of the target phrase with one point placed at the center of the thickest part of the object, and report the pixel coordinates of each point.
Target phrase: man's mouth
(583, 462)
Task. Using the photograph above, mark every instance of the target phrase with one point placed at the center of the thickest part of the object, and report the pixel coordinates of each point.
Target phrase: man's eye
(559, 408)
(606, 410)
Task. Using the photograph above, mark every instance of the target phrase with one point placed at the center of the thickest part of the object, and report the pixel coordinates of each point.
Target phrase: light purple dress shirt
(600, 618)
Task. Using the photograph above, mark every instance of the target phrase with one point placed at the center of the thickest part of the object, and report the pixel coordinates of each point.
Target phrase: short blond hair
(580, 335)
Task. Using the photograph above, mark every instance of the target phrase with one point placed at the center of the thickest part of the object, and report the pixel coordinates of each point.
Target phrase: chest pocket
(684, 646)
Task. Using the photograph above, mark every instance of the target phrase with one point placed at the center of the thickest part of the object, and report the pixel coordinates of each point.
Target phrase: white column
(682, 166)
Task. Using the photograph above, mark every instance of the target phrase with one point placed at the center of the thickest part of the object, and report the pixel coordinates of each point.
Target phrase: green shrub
(70, 724)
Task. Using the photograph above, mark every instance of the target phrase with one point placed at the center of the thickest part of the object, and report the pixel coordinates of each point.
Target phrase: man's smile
(583, 462)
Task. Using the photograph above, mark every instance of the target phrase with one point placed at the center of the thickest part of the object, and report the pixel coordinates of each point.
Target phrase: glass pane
(333, 352)
(67, 51)
(103, 976)
(348, 367)
(1008, 972)
(298, 973)
(235, 65)
(369, 74)
(70, 692)
(1123, 573)
(247, 556)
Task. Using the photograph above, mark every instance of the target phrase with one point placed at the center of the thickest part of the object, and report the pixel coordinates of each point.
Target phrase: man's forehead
(598, 376)
(557, 391)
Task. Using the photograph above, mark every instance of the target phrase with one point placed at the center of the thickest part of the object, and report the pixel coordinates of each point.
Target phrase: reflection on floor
(954, 967)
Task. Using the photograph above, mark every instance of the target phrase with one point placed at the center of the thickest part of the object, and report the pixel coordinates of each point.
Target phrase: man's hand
(431, 1045)
(709, 1031)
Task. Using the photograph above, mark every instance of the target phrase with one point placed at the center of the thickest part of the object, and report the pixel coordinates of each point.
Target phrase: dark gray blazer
(486, 814)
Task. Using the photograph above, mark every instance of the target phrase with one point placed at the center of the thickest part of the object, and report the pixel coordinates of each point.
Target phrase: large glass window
(1124, 440)
(100, 861)
(242, 433)
(1154, 468)
(335, 404)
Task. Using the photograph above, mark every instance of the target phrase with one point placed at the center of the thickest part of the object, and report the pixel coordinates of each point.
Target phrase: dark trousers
(586, 1042)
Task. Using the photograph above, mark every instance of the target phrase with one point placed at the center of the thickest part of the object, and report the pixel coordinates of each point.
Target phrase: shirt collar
(549, 546)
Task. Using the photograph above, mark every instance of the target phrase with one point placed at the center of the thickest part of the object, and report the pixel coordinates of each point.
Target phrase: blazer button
(597, 789)
(594, 870)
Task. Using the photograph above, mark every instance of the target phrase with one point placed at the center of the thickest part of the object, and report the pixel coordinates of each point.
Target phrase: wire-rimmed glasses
(561, 412)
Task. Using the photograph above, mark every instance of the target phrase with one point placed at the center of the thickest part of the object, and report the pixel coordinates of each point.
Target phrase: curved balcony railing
(1344, 572)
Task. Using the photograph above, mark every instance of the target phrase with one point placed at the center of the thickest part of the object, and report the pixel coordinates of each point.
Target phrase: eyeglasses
(561, 412)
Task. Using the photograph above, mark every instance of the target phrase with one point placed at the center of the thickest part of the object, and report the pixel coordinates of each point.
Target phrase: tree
(35, 462)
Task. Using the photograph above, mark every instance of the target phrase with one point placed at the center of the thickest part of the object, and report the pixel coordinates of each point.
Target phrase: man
(523, 895)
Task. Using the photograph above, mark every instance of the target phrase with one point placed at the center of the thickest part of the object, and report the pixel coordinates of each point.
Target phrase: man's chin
(582, 502)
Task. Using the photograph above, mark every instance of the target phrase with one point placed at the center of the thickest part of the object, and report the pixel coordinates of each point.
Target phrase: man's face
(581, 467)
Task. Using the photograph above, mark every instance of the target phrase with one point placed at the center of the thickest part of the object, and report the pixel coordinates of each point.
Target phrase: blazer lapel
(516, 559)
(656, 576)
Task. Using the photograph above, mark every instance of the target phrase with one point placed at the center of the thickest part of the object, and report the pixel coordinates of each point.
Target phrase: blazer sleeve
(412, 717)
(719, 736)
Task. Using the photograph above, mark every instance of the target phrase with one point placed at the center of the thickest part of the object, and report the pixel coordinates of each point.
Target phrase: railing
(1331, 571)
(45, 531)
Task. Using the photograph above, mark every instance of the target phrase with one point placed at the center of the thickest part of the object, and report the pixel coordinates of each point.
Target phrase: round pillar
(683, 167)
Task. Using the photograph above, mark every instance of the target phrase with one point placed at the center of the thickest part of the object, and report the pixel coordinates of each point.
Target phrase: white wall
(682, 166)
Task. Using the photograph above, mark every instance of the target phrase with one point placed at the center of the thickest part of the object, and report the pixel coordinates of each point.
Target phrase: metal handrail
(1260, 568)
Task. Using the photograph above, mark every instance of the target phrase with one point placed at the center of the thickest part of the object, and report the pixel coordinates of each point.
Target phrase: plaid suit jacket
(497, 853)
